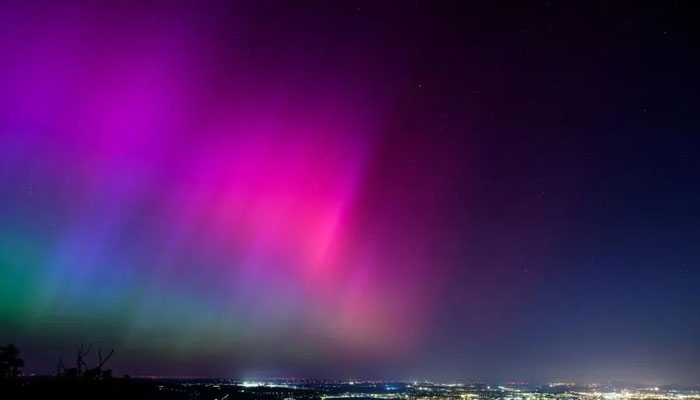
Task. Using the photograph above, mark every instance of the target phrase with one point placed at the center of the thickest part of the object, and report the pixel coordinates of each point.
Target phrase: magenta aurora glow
(391, 190)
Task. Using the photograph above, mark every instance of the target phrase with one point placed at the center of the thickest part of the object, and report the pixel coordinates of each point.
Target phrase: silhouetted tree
(10, 363)
(82, 370)
(98, 372)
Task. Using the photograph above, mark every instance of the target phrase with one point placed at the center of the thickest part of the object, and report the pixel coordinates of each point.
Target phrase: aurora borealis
(202, 201)
(261, 188)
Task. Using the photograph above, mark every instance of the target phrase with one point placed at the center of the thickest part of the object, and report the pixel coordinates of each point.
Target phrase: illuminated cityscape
(364, 390)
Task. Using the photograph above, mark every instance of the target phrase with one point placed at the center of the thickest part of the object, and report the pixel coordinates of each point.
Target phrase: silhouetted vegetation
(82, 370)
(82, 381)
(10, 363)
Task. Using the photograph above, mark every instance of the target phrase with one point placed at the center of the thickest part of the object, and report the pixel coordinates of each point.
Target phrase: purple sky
(400, 190)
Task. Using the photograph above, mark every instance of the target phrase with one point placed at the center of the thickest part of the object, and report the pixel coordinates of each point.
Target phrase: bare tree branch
(103, 361)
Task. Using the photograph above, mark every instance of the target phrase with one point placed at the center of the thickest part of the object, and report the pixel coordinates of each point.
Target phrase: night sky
(334, 189)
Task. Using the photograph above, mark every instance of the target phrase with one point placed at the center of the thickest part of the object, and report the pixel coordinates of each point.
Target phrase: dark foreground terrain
(126, 388)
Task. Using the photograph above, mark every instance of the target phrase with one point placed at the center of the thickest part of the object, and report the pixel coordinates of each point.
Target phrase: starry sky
(333, 189)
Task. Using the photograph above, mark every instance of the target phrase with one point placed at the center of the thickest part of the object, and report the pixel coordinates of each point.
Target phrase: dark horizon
(414, 190)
